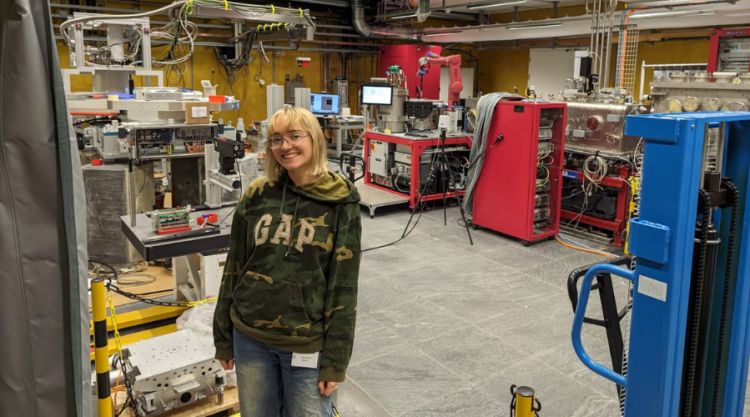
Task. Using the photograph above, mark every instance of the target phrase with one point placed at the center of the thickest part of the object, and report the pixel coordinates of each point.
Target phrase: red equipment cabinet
(518, 194)
(407, 57)
(417, 147)
(729, 50)
(620, 181)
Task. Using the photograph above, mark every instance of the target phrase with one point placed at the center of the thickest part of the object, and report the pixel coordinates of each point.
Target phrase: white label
(652, 288)
(200, 111)
(613, 118)
(305, 360)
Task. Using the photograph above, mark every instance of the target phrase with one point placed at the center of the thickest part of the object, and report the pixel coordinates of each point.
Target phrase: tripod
(440, 165)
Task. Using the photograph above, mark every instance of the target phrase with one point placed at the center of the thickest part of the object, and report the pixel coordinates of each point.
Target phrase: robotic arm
(453, 62)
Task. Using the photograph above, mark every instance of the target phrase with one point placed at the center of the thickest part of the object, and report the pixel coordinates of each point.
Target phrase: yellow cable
(635, 187)
(582, 249)
(113, 316)
(273, 9)
(118, 343)
(199, 302)
(300, 13)
(226, 5)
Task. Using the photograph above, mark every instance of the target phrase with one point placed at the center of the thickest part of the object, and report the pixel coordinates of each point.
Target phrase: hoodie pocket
(272, 305)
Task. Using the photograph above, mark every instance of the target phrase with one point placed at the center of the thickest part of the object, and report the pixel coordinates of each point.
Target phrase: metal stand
(445, 169)
(197, 276)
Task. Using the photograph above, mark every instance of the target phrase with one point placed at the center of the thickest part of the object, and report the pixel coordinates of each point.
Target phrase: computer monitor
(325, 104)
(377, 94)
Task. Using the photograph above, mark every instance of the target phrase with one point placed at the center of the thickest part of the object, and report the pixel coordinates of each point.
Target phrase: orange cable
(578, 248)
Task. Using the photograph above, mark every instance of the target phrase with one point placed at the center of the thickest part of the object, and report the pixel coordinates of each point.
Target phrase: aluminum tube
(595, 34)
(608, 55)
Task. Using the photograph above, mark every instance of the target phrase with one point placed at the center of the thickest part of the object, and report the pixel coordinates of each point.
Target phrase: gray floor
(445, 328)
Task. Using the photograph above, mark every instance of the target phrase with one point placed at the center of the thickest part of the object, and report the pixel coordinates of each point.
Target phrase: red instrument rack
(619, 182)
(518, 194)
(417, 147)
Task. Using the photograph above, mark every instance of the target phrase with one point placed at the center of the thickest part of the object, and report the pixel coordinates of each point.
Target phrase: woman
(287, 304)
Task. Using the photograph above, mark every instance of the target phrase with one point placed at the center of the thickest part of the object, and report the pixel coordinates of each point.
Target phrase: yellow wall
(668, 52)
(252, 96)
(502, 70)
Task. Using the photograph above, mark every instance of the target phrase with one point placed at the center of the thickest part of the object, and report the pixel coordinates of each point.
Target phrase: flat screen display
(377, 94)
(321, 103)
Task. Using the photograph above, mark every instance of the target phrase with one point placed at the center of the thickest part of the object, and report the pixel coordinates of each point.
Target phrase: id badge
(305, 360)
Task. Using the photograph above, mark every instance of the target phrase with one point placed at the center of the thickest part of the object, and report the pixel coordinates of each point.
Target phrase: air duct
(361, 25)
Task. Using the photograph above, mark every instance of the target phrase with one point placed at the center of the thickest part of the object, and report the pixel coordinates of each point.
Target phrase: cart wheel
(526, 243)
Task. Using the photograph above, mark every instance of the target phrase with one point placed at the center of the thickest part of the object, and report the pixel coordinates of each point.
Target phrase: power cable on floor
(581, 248)
(417, 204)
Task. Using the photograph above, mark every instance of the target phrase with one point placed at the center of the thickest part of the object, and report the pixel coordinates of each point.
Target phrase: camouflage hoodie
(290, 278)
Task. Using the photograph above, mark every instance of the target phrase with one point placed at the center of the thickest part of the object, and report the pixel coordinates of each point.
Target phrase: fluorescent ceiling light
(496, 4)
(540, 25)
(427, 35)
(404, 16)
(673, 13)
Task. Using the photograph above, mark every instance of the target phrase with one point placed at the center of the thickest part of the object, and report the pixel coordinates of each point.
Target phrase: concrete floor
(445, 328)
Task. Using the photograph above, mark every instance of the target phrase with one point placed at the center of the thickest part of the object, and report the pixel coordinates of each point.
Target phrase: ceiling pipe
(361, 25)
(423, 12)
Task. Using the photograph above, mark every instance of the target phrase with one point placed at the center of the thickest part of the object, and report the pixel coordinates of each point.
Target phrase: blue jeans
(269, 386)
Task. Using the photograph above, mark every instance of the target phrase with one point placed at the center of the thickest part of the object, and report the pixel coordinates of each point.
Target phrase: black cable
(694, 323)
(94, 120)
(418, 203)
(479, 156)
(731, 241)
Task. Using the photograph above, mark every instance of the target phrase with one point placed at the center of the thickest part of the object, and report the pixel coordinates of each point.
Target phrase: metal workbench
(142, 231)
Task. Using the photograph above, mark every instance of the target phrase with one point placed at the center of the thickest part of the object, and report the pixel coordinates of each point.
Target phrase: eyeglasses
(277, 140)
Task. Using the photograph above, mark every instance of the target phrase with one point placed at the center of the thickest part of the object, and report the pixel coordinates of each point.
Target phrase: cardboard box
(197, 113)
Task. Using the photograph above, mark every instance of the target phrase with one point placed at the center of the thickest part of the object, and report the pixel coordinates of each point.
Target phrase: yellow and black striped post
(101, 350)
(524, 404)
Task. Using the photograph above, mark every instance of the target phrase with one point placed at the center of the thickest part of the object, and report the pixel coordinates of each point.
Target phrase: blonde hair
(281, 121)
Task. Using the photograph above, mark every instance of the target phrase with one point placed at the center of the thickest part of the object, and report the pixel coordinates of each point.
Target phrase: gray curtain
(43, 298)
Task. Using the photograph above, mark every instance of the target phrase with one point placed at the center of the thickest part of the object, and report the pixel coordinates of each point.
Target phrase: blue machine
(690, 326)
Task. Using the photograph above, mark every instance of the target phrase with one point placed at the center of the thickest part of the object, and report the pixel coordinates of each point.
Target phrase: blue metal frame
(662, 239)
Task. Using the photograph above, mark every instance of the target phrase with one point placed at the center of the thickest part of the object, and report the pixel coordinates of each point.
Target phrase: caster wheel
(526, 243)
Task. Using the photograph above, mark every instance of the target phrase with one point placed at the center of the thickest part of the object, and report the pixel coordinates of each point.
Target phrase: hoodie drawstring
(294, 217)
(283, 200)
(291, 232)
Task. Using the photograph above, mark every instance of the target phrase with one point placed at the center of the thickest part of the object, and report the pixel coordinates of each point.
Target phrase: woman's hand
(327, 387)
(227, 364)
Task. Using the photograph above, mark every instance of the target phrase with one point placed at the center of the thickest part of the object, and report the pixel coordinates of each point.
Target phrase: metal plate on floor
(373, 198)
